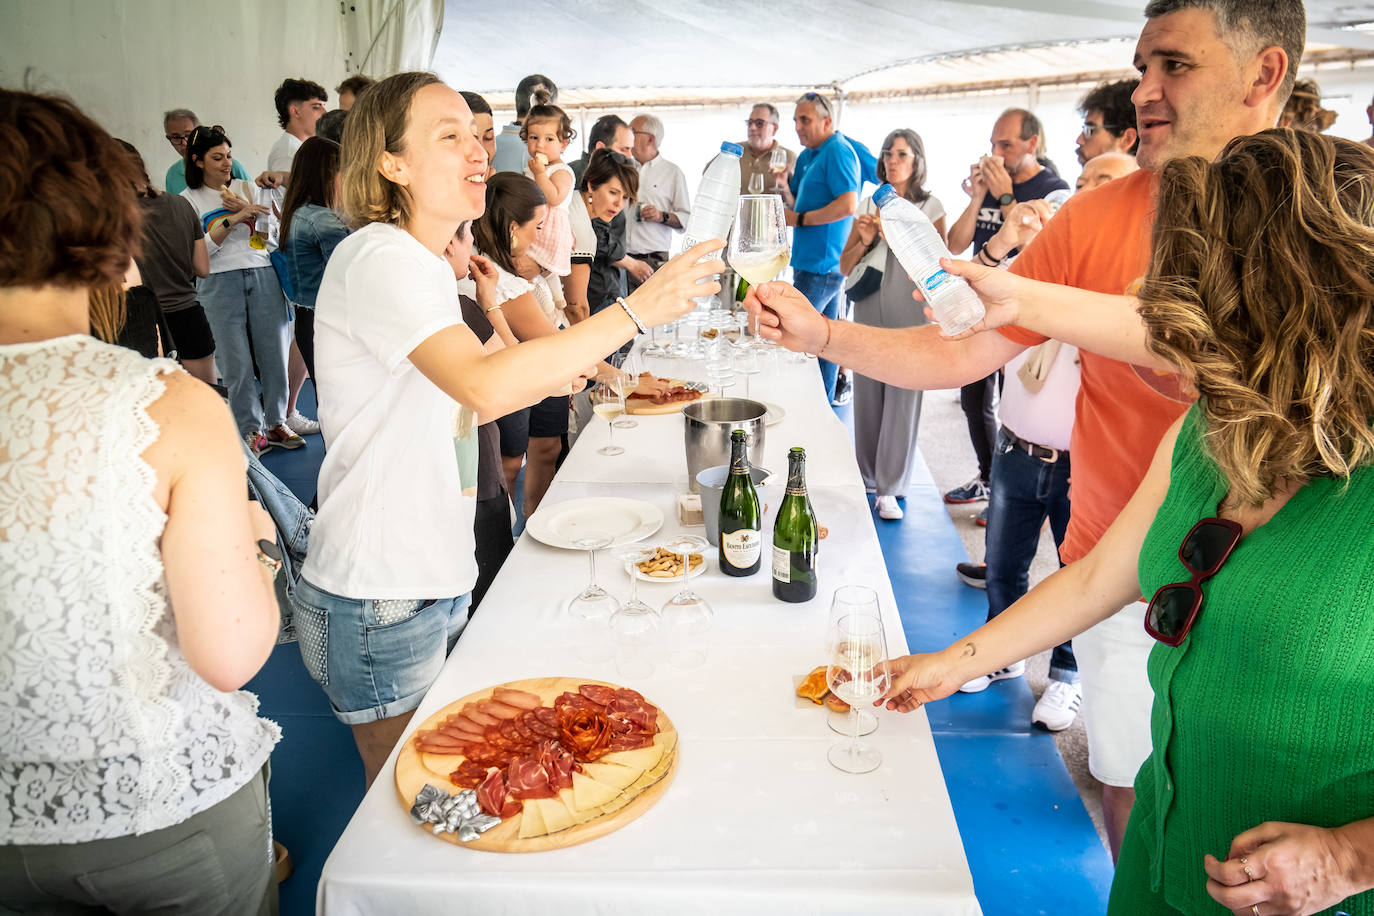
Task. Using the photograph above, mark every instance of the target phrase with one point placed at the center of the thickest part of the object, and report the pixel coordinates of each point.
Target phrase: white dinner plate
(625, 520)
(774, 415)
(700, 568)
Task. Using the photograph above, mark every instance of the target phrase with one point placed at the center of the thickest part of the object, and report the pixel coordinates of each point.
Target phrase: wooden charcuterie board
(415, 769)
(640, 407)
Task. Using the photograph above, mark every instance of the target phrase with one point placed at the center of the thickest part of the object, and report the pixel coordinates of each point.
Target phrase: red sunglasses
(1174, 608)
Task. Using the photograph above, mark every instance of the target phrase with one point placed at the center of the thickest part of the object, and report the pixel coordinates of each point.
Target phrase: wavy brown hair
(376, 124)
(1260, 290)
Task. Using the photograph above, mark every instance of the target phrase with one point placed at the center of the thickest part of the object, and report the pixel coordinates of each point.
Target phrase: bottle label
(935, 280)
(742, 548)
(782, 564)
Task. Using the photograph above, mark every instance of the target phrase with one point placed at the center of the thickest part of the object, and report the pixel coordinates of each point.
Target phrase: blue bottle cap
(884, 194)
(733, 149)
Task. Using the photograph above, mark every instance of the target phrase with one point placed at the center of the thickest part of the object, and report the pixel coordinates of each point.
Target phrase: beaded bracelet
(620, 301)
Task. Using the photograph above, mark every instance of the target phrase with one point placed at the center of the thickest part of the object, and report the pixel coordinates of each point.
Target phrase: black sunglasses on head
(1174, 608)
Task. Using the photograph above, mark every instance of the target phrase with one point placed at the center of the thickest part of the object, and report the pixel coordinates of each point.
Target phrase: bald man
(1099, 170)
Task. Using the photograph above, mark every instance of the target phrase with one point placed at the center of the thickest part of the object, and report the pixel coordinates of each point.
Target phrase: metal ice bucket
(706, 428)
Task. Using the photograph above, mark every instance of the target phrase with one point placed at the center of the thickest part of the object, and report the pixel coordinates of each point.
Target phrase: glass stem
(591, 569)
(853, 730)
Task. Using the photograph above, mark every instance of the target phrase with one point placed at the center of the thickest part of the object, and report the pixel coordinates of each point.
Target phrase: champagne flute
(687, 615)
(857, 673)
(608, 403)
(759, 248)
(859, 601)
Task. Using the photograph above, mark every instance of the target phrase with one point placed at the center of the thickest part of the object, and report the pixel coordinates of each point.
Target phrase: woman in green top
(1258, 797)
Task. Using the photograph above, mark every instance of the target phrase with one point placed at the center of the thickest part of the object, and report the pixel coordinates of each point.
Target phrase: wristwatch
(801, 218)
(269, 555)
(664, 218)
(1006, 200)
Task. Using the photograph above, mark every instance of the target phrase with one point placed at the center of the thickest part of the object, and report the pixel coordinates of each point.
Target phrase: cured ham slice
(499, 709)
(597, 693)
(484, 719)
(526, 778)
(519, 698)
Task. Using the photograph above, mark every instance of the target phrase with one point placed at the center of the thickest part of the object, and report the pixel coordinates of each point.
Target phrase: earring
(514, 242)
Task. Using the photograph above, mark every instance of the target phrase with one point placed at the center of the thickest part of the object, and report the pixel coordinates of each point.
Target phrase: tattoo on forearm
(970, 650)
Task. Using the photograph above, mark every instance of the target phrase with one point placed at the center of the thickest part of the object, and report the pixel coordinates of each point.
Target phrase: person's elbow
(847, 205)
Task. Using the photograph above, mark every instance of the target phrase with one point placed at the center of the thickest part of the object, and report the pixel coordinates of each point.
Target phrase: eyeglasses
(897, 154)
(178, 138)
(1174, 608)
(757, 123)
(1089, 129)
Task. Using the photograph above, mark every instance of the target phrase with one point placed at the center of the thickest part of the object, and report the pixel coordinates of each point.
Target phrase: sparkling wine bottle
(795, 537)
(741, 538)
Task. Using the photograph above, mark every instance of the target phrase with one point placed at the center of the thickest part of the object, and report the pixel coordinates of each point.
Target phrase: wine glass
(628, 363)
(721, 373)
(858, 601)
(758, 249)
(635, 639)
(756, 182)
(608, 403)
(857, 673)
(777, 164)
(593, 603)
(686, 615)
(630, 557)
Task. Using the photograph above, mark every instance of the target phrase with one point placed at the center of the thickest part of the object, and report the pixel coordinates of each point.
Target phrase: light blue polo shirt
(821, 175)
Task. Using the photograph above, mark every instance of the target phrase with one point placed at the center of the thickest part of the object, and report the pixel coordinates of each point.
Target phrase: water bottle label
(742, 548)
(935, 280)
(782, 565)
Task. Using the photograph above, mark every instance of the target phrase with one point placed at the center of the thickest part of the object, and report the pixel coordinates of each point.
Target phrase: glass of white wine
(628, 363)
(777, 164)
(857, 674)
(756, 183)
(608, 404)
(861, 601)
(759, 249)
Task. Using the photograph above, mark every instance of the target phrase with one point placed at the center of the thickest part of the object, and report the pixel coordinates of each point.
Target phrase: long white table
(756, 819)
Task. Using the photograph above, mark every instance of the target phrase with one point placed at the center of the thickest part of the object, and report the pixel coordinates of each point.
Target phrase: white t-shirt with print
(398, 485)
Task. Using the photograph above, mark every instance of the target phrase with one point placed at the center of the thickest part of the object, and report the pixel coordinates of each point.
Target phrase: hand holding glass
(758, 249)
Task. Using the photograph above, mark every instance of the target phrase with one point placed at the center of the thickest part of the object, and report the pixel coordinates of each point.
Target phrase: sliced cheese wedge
(579, 816)
(531, 822)
(666, 740)
(610, 774)
(640, 759)
(589, 794)
(556, 817)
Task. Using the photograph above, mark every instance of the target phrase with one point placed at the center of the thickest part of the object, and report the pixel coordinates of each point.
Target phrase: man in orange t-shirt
(1200, 87)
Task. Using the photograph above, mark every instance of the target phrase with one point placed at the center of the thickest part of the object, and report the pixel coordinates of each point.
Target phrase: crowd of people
(1191, 325)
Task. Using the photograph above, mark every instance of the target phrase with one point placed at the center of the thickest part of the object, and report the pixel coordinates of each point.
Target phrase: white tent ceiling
(612, 53)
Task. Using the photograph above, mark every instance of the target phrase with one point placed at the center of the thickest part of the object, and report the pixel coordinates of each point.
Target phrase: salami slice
(537, 726)
(597, 693)
(469, 775)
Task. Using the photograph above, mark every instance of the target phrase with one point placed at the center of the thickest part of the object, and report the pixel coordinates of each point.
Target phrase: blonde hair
(1304, 109)
(1259, 289)
(375, 125)
(108, 310)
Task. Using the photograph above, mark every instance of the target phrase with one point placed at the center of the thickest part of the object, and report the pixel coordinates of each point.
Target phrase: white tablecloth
(756, 819)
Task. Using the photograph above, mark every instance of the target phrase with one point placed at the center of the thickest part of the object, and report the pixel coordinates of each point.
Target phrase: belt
(1042, 452)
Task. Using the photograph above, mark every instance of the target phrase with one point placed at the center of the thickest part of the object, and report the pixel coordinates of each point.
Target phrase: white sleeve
(395, 302)
(584, 237)
(682, 203)
(509, 286)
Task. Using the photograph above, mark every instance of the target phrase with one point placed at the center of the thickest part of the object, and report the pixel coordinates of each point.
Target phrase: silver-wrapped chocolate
(452, 813)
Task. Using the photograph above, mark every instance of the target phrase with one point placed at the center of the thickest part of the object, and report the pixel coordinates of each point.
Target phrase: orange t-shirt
(1100, 240)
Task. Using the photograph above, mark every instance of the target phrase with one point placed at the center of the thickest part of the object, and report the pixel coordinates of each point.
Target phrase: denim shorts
(375, 659)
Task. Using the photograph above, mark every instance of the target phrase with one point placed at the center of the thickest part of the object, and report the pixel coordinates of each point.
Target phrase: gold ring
(1243, 860)
(1249, 875)
(1255, 910)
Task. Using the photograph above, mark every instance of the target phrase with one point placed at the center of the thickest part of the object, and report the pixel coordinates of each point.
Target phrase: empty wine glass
(687, 615)
(857, 673)
(759, 248)
(721, 373)
(593, 604)
(630, 557)
(635, 640)
(608, 403)
(859, 601)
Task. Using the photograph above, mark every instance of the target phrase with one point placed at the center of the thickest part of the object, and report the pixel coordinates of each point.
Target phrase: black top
(491, 482)
(606, 281)
(1036, 187)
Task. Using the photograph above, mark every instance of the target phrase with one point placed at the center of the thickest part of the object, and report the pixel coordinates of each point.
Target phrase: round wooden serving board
(414, 770)
(639, 407)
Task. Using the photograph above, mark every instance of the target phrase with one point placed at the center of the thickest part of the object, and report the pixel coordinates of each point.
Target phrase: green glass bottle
(741, 520)
(795, 537)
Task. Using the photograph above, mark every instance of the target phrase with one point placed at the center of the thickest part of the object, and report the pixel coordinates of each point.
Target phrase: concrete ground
(945, 445)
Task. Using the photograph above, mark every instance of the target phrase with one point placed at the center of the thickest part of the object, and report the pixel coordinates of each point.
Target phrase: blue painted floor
(1030, 844)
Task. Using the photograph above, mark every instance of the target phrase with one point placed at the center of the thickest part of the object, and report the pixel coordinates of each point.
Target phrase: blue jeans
(825, 292)
(243, 304)
(1025, 491)
(375, 659)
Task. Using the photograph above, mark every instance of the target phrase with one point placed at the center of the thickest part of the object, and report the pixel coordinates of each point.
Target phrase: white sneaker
(302, 425)
(1058, 706)
(888, 508)
(982, 683)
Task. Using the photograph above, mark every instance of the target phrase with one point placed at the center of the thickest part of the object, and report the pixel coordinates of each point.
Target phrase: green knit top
(1264, 712)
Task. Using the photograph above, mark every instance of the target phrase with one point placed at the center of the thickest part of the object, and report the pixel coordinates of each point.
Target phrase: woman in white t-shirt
(384, 592)
(886, 417)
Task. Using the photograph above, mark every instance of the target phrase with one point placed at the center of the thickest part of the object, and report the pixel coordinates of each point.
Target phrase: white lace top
(105, 731)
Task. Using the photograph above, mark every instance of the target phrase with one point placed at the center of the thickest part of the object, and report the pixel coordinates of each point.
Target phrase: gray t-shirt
(170, 230)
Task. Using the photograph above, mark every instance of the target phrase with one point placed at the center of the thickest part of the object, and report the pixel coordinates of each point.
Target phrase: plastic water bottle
(713, 209)
(912, 237)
